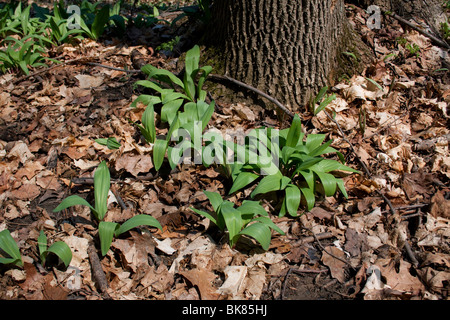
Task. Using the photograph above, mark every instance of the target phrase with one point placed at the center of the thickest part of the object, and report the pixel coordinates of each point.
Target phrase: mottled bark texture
(284, 48)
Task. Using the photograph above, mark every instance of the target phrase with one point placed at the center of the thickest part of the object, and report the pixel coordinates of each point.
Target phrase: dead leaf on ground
(203, 279)
(399, 277)
(440, 206)
(337, 267)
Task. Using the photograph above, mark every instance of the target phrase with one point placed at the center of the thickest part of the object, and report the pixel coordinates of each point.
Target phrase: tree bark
(287, 49)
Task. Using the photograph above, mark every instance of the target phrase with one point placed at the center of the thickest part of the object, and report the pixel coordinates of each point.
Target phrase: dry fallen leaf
(203, 279)
(337, 267)
(401, 280)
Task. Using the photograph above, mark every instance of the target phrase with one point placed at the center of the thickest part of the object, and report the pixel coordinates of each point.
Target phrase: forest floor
(391, 235)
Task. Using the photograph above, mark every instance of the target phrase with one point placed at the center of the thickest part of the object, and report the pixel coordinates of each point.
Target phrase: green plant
(106, 229)
(183, 110)
(22, 54)
(95, 30)
(101, 189)
(249, 219)
(292, 164)
(60, 248)
(110, 142)
(9, 250)
(445, 29)
(323, 102)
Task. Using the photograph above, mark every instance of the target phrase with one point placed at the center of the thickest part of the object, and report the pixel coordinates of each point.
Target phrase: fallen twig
(246, 86)
(320, 236)
(436, 40)
(325, 250)
(97, 272)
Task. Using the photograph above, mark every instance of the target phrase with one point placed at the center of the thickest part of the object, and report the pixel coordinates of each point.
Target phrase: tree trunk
(287, 49)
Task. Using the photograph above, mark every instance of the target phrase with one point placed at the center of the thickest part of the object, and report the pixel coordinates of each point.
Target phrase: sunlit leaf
(9, 246)
(136, 221)
(106, 232)
(102, 183)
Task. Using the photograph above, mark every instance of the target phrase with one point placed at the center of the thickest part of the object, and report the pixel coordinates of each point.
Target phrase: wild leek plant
(60, 248)
(183, 105)
(249, 219)
(284, 161)
(9, 251)
(107, 230)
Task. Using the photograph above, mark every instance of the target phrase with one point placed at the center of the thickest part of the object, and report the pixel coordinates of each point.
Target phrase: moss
(346, 65)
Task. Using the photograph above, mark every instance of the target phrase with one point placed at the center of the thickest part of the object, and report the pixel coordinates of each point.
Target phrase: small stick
(320, 236)
(246, 86)
(118, 197)
(420, 30)
(97, 272)
(326, 251)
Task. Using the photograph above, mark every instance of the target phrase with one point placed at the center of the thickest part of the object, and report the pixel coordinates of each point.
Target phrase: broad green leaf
(232, 219)
(206, 215)
(138, 220)
(252, 208)
(150, 85)
(214, 198)
(162, 75)
(146, 100)
(308, 175)
(170, 109)
(293, 197)
(313, 141)
(294, 132)
(192, 60)
(110, 142)
(159, 152)
(72, 200)
(106, 232)
(206, 116)
(102, 183)
(320, 149)
(328, 165)
(260, 232)
(328, 182)
(268, 184)
(268, 222)
(148, 120)
(100, 21)
(191, 64)
(62, 250)
(9, 246)
(308, 194)
(243, 180)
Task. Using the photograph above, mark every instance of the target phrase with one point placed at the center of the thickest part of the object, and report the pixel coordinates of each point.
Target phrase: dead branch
(259, 92)
(436, 40)
(97, 272)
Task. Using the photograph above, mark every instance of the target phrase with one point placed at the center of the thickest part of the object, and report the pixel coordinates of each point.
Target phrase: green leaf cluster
(60, 248)
(249, 219)
(285, 161)
(107, 230)
(9, 251)
(110, 142)
(183, 107)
